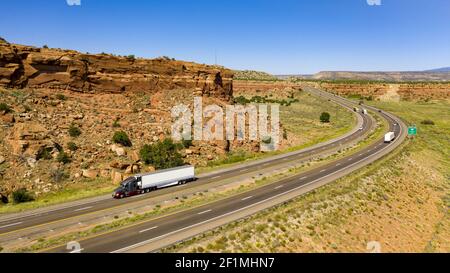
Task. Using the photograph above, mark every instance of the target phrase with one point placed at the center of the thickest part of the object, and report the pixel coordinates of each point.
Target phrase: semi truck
(144, 183)
(389, 137)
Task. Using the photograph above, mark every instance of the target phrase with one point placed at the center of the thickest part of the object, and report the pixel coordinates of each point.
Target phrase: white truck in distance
(144, 183)
(389, 137)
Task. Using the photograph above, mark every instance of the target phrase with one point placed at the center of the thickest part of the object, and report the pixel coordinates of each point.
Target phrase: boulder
(8, 118)
(116, 177)
(118, 150)
(90, 174)
(2, 159)
(105, 173)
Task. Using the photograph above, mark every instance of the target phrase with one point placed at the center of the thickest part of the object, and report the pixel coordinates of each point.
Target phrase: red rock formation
(26, 66)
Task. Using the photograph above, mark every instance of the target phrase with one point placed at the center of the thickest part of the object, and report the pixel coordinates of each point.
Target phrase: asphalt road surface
(41, 220)
(159, 230)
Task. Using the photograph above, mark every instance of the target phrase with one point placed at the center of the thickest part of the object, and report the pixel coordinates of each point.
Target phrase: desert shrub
(5, 108)
(325, 117)
(121, 137)
(116, 123)
(72, 146)
(427, 122)
(58, 175)
(241, 100)
(45, 46)
(163, 154)
(45, 154)
(267, 140)
(63, 158)
(131, 57)
(187, 143)
(22, 196)
(61, 97)
(74, 131)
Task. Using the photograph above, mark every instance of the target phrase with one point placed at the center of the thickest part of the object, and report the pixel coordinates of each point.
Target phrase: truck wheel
(121, 196)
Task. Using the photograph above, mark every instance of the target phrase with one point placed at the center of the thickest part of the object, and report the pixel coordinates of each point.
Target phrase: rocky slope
(44, 92)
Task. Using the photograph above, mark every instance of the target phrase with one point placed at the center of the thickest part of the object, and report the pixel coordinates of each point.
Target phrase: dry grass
(401, 202)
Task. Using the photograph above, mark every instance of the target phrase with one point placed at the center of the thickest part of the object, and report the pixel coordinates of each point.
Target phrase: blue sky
(277, 36)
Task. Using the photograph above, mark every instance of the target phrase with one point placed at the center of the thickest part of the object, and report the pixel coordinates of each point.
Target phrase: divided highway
(157, 233)
(21, 225)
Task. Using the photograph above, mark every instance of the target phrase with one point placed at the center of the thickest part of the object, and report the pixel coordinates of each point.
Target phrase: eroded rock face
(25, 66)
(31, 140)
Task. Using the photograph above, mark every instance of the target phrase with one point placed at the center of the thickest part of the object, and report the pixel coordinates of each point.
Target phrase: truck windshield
(127, 181)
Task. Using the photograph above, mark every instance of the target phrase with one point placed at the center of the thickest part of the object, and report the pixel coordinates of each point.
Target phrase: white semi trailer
(389, 137)
(144, 183)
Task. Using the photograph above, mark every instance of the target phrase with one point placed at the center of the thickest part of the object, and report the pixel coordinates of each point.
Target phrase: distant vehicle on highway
(364, 111)
(356, 109)
(144, 183)
(389, 137)
(360, 128)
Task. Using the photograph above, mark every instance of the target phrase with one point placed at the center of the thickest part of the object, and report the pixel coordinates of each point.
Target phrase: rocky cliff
(26, 66)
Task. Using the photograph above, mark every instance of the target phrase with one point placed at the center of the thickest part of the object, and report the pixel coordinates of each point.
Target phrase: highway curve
(27, 224)
(155, 234)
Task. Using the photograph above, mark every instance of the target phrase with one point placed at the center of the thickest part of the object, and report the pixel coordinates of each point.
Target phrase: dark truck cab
(129, 187)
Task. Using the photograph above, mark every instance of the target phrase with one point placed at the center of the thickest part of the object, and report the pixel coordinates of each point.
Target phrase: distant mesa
(442, 69)
(438, 75)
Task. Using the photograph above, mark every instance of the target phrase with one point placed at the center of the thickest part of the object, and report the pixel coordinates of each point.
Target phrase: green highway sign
(412, 131)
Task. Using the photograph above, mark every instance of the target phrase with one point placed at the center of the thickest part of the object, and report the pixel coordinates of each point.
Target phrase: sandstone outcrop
(26, 66)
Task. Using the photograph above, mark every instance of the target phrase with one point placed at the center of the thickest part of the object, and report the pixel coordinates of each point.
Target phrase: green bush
(63, 158)
(22, 196)
(325, 117)
(58, 175)
(187, 143)
(72, 146)
(131, 57)
(60, 97)
(5, 108)
(116, 123)
(162, 155)
(74, 131)
(427, 122)
(45, 154)
(121, 137)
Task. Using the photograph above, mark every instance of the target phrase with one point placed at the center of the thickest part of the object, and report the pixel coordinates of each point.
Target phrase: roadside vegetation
(401, 201)
(301, 122)
(202, 198)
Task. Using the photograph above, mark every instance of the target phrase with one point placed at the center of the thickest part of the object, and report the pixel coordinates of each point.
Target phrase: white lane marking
(279, 187)
(303, 178)
(148, 229)
(216, 177)
(266, 164)
(243, 170)
(284, 159)
(323, 170)
(85, 208)
(246, 198)
(203, 212)
(10, 225)
(244, 208)
(350, 159)
(339, 164)
(77, 251)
